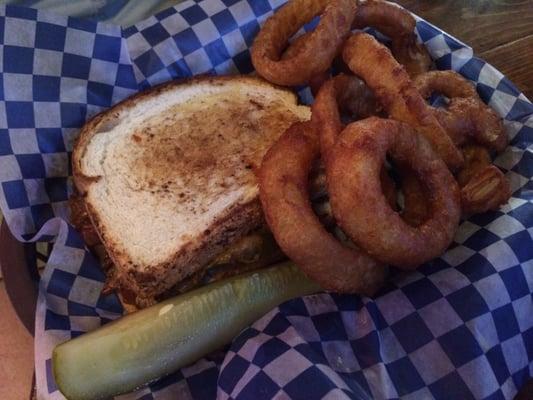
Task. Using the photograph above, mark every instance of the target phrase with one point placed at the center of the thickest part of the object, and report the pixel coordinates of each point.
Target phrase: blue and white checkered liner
(461, 327)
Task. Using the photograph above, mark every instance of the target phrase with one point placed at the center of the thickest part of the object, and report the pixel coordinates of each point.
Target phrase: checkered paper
(460, 327)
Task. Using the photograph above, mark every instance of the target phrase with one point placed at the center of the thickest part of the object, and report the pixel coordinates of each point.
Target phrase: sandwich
(166, 193)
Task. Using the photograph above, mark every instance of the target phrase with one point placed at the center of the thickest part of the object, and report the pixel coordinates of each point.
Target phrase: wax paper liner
(459, 327)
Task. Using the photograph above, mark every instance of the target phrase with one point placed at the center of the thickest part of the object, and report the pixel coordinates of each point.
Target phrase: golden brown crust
(449, 83)
(477, 158)
(374, 63)
(416, 206)
(345, 93)
(399, 25)
(467, 116)
(487, 190)
(352, 169)
(284, 194)
(315, 53)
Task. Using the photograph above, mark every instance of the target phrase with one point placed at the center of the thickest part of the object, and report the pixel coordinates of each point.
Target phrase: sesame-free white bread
(167, 176)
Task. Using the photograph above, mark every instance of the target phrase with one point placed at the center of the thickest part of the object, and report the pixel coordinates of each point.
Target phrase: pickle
(148, 344)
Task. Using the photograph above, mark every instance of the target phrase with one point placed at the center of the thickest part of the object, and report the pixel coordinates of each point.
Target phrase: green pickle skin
(148, 344)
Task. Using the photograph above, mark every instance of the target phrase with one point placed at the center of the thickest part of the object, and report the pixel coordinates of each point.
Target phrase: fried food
(315, 82)
(353, 168)
(343, 94)
(476, 121)
(476, 159)
(449, 83)
(317, 50)
(399, 25)
(297, 45)
(483, 186)
(466, 117)
(283, 183)
(402, 217)
(374, 63)
(388, 187)
(416, 208)
(487, 190)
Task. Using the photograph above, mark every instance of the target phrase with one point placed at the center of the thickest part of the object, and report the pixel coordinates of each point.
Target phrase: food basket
(461, 326)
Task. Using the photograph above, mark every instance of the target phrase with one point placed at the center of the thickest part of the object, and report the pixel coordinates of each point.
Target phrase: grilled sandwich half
(167, 176)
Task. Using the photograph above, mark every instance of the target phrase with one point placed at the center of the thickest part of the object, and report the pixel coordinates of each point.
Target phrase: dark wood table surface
(499, 31)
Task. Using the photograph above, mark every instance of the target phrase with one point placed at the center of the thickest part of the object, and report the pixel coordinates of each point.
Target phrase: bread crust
(82, 181)
(145, 283)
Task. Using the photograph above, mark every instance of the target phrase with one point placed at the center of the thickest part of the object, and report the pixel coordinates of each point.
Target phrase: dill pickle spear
(141, 347)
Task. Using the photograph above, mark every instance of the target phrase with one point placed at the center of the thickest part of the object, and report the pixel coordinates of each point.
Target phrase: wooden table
(499, 31)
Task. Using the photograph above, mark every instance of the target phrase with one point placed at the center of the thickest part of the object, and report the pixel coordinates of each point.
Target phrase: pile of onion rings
(397, 173)
(284, 192)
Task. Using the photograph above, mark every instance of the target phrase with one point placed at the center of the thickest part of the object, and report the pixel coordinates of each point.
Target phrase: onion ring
(342, 93)
(296, 46)
(449, 83)
(466, 116)
(317, 181)
(320, 199)
(399, 25)
(374, 63)
(315, 82)
(477, 158)
(388, 187)
(483, 187)
(487, 190)
(352, 169)
(483, 125)
(355, 100)
(283, 182)
(416, 207)
(318, 186)
(318, 50)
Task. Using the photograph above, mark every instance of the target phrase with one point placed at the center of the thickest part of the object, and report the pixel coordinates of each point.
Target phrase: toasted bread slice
(256, 250)
(167, 175)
